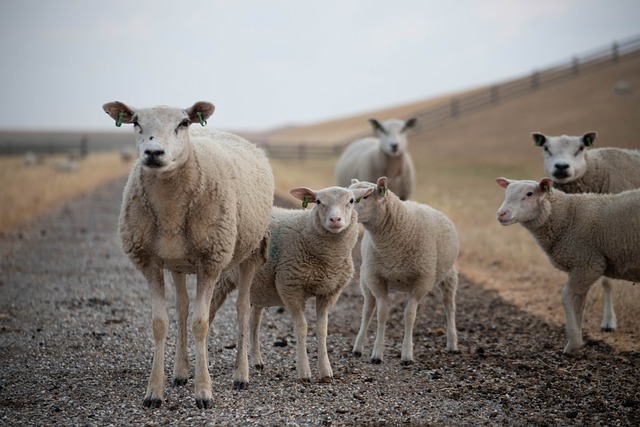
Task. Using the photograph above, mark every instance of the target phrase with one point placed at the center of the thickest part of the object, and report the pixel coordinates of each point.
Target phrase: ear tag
(203, 122)
(120, 119)
(383, 190)
(358, 199)
(548, 189)
(305, 202)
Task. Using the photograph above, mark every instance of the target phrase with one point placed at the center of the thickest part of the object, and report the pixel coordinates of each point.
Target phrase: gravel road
(76, 349)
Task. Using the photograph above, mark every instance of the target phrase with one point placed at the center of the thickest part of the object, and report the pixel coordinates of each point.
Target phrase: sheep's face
(392, 135)
(162, 133)
(333, 206)
(372, 202)
(522, 200)
(565, 157)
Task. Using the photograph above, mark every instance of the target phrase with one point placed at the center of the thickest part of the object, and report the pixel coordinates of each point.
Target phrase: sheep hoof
(259, 367)
(305, 380)
(357, 353)
(204, 403)
(376, 361)
(152, 402)
(240, 385)
(178, 382)
(326, 380)
(406, 362)
(607, 329)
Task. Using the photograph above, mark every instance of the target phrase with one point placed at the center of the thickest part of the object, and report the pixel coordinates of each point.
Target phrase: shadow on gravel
(76, 348)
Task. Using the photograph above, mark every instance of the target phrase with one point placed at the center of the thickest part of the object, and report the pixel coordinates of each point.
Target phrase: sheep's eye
(529, 194)
(318, 202)
(137, 126)
(546, 150)
(579, 151)
(364, 197)
(351, 201)
(184, 123)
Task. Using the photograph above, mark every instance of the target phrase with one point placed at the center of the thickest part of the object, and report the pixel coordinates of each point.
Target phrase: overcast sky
(268, 63)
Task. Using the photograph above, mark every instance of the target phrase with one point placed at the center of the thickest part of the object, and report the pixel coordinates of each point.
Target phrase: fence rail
(461, 106)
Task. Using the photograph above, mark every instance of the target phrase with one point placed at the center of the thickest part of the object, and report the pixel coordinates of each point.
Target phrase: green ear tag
(120, 118)
(358, 200)
(202, 121)
(305, 202)
(383, 190)
(548, 188)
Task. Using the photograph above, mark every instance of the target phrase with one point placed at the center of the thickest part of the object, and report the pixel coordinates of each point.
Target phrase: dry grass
(28, 192)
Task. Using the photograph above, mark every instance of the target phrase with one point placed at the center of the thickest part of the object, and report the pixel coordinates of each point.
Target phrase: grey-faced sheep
(408, 247)
(309, 256)
(586, 235)
(197, 202)
(575, 168)
(384, 154)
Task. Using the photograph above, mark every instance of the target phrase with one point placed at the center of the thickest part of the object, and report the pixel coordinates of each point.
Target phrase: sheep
(585, 235)
(384, 154)
(576, 169)
(408, 247)
(197, 201)
(309, 256)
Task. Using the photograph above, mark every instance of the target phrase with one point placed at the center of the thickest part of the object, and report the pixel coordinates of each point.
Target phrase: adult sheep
(575, 168)
(197, 202)
(408, 247)
(384, 154)
(586, 235)
(309, 256)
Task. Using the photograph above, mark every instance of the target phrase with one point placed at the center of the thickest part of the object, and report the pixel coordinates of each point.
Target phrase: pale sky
(266, 64)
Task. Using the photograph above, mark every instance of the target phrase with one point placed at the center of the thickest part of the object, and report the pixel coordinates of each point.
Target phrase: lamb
(574, 169)
(309, 256)
(384, 154)
(197, 202)
(586, 235)
(408, 247)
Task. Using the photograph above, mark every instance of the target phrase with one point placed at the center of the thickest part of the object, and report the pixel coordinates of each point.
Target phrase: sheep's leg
(382, 308)
(323, 305)
(368, 307)
(573, 300)
(410, 311)
(200, 329)
(181, 362)
(220, 293)
(247, 271)
(300, 332)
(160, 321)
(609, 321)
(255, 319)
(448, 288)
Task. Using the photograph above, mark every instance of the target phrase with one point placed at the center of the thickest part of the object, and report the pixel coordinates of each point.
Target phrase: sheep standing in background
(586, 235)
(576, 169)
(408, 247)
(197, 202)
(384, 154)
(309, 256)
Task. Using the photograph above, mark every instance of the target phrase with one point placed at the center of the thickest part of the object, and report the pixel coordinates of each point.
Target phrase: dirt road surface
(76, 349)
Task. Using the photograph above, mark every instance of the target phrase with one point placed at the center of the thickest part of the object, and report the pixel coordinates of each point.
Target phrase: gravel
(76, 349)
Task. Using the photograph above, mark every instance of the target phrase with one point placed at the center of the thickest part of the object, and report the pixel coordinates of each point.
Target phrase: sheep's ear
(200, 112)
(382, 186)
(538, 138)
(409, 124)
(589, 138)
(546, 184)
(305, 194)
(354, 181)
(119, 112)
(503, 182)
(359, 193)
(377, 127)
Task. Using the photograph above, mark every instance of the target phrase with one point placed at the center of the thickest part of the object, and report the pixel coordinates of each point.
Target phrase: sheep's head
(522, 199)
(392, 135)
(333, 205)
(565, 156)
(162, 133)
(373, 202)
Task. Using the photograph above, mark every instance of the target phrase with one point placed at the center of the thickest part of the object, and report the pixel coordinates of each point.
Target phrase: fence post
(302, 151)
(454, 107)
(84, 146)
(575, 65)
(494, 93)
(615, 54)
(535, 80)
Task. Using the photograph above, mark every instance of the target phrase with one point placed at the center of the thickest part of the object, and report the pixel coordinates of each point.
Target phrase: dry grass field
(456, 163)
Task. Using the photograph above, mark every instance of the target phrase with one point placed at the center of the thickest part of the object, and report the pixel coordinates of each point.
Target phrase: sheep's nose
(562, 166)
(154, 153)
(335, 219)
(394, 147)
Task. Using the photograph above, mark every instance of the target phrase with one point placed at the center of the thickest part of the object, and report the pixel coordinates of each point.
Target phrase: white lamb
(408, 247)
(586, 235)
(197, 202)
(309, 256)
(576, 169)
(384, 154)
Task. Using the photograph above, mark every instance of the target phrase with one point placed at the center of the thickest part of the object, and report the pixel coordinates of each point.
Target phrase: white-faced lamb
(383, 154)
(586, 235)
(575, 168)
(197, 202)
(408, 247)
(309, 256)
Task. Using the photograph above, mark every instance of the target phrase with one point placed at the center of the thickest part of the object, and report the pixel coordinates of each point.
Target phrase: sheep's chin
(334, 230)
